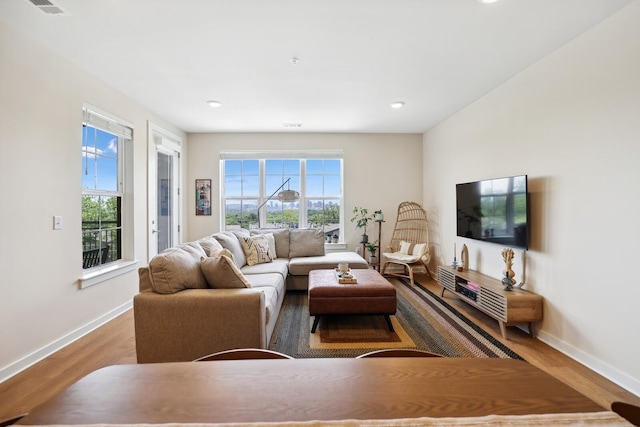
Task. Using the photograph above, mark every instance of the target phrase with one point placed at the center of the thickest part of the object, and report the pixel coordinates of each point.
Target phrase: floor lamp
(285, 196)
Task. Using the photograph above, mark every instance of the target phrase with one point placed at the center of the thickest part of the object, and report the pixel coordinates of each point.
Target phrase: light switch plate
(57, 223)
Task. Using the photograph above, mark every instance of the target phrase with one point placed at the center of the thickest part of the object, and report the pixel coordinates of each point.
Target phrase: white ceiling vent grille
(47, 7)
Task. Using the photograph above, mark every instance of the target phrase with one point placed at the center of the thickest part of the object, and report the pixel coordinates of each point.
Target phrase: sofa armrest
(195, 322)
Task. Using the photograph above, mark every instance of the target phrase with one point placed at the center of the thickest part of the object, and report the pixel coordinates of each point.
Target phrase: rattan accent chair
(409, 246)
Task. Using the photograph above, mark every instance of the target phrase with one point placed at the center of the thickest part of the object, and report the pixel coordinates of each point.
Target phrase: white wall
(572, 123)
(380, 171)
(41, 98)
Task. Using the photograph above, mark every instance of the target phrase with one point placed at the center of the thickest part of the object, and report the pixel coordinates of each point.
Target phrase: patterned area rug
(428, 323)
(335, 332)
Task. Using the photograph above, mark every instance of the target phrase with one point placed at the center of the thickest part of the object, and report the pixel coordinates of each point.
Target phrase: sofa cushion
(230, 241)
(222, 273)
(256, 249)
(281, 237)
(209, 244)
(301, 266)
(273, 287)
(177, 269)
(278, 265)
(306, 242)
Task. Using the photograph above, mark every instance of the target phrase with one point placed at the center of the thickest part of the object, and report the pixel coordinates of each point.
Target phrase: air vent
(47, 7)
(292, 125)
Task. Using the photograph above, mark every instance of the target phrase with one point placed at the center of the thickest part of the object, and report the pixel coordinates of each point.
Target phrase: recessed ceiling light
(397, 104)
(294, 60)
(214, 104)
(487, 1)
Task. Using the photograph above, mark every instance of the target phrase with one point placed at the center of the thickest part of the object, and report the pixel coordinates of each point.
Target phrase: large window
(251, 186)
(102, 188)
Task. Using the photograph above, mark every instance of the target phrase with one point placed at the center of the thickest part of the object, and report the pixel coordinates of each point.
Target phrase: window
(103, 141)
(251, 184)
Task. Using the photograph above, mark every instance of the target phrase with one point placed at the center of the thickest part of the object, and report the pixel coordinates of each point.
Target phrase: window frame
(263, 195)
(123, 130)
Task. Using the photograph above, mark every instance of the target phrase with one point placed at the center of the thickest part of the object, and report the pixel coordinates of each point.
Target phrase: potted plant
(378, 216)
(361, 217)
(372, 248)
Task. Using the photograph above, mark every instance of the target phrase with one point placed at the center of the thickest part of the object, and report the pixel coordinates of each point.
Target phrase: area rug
(335, 332)
(423, 320)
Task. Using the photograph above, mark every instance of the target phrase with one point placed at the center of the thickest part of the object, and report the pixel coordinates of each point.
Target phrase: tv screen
(494, 210)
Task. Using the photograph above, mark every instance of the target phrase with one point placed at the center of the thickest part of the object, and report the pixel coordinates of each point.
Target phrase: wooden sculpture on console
(464, 258)
(508, 274)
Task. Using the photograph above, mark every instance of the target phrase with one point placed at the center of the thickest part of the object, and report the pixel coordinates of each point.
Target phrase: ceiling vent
(47, 7)
(292, 125)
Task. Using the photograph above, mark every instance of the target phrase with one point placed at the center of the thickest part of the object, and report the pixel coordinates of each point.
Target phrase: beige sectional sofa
(224, 291)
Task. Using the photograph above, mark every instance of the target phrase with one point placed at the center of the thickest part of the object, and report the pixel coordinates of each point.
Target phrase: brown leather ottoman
(373, 294)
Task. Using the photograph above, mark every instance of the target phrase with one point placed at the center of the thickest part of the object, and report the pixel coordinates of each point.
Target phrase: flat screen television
(495, 211)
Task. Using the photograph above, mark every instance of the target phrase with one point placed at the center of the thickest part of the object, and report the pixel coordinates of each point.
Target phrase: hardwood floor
(114, 343)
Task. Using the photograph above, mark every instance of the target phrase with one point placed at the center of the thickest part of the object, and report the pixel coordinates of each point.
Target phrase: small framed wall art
(203, 197)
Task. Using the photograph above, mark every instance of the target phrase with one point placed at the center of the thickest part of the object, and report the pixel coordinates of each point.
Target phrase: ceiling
(355, 57)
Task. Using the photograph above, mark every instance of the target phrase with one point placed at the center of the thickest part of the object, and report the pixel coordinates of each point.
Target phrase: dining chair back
(244, 353)
(11, 421)
(627, 411)
(399, 352)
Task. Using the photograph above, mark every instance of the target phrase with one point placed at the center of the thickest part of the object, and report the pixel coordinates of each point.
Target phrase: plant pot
(373, 259)
(364, 238)
(378, 217)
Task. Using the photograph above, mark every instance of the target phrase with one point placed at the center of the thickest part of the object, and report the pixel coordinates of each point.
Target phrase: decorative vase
(335, 239)
(507, 284)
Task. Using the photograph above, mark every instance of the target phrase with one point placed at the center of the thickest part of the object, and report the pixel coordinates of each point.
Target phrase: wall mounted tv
(494, 210)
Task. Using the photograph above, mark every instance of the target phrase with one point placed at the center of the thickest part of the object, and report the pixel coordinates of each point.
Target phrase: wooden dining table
(309, 389)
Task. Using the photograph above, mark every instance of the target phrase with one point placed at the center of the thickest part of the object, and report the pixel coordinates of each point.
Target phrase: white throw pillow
(419, 249)
(271, 240)
(404, 247)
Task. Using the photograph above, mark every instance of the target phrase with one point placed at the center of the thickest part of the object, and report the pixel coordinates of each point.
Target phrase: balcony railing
(101, 243)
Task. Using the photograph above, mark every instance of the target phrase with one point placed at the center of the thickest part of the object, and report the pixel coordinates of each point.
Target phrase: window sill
(333, 247)
(97, 275)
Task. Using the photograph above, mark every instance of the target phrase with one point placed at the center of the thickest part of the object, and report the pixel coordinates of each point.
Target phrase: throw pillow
(177, 269)
(404, 247)
(222, 273)
(256, 249)
(419, 249)
(271, 240)
(306, 242)
(229, 240)
(281, 236)
(209, 244)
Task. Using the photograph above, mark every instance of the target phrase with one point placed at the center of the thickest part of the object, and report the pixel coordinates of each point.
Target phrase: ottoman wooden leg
(315, 324)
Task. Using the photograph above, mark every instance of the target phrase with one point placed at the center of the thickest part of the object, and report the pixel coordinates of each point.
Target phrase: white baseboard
(596, 365)
(38, 355)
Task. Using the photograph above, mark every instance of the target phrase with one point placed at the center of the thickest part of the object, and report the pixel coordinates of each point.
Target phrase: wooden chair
(409, 246)
(627, 411)
(11, 421)
(398, 352)
(244, 353)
